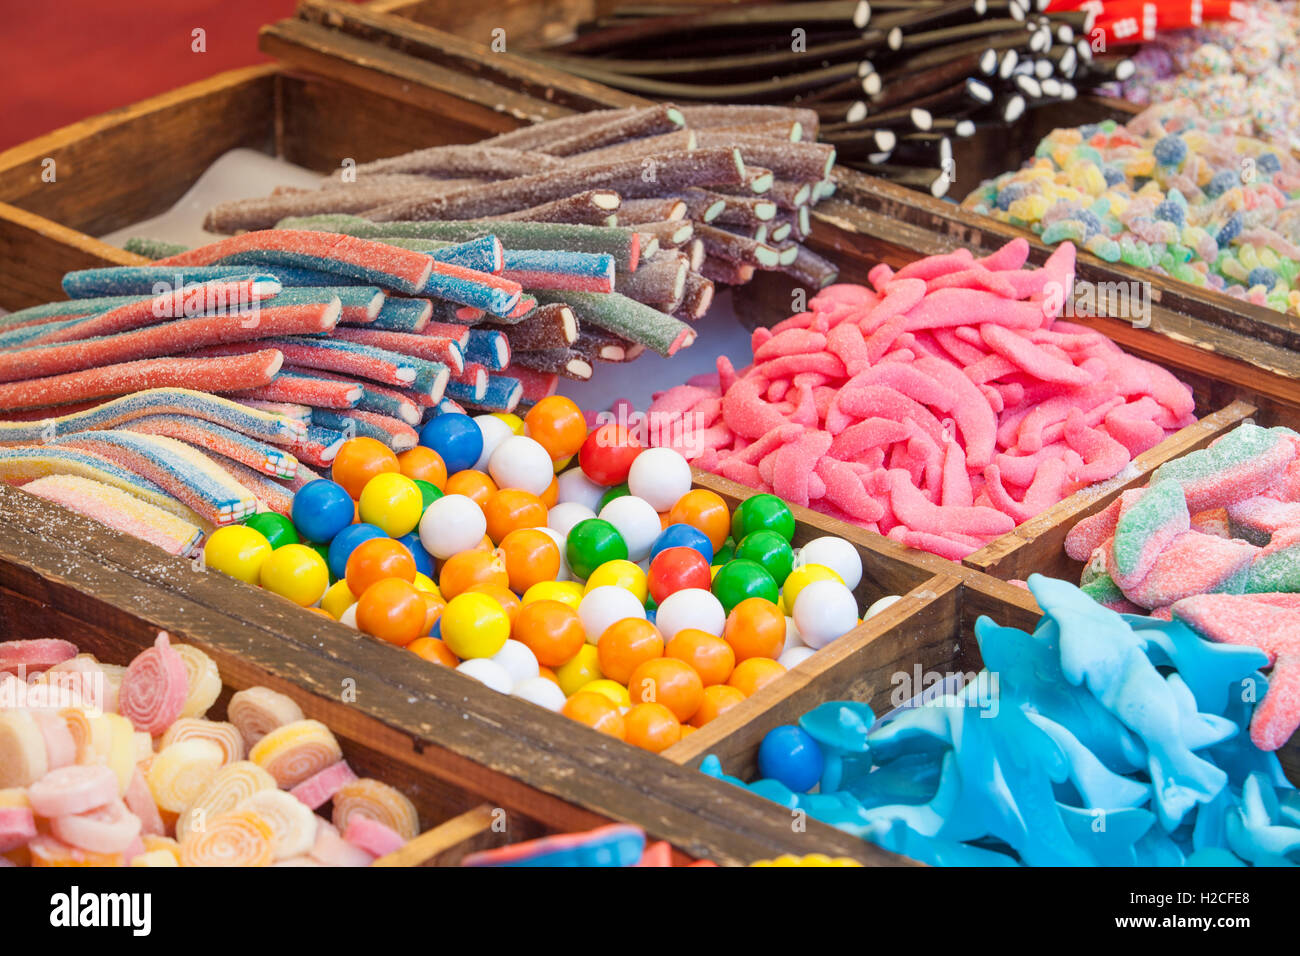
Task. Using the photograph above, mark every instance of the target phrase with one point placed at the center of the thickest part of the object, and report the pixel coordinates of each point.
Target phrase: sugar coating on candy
(118, 510)
(378, 801)
(154, 689)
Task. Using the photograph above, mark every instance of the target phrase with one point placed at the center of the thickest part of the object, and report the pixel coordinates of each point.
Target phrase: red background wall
(64, 60)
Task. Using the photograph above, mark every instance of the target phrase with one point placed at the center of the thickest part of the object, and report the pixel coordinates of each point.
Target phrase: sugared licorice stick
(700, 167)
(546, 327)
(737, 248)
(652, 121)
(681, 139)
(777, 87)
(671, 233)
(778, 17)
(716, 115)
(461, 162)
(626, 317)
(264, 212)
(811, 269)
(660, 282)
(756, 179)
(595, 207)
(802, 162)
(696, 204)
(565, 362)
(747, 211)
(726, 272)
(778, 130)
(786, 194)
(664, 209)
(695, 253)
(696, 297)
(531, 137)
(601, 346)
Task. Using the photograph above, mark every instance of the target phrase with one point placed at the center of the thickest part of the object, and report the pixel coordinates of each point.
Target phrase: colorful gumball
(237, 550)
(763, 512)
(510, 509)
(835, 553)
(769, 549)
(667, 681)
(674, 569)
(375, 560)
(690, 607)
(710, 657)
(596, 711)
(423, 464)
(276, 528)
(791, 756)
(345, 542)
(740, 579)
(477, 486)
(487, 672)
(752, 675)
(607, 454)
(755, 628)
(452, 524)
(800, 578)
(566, 514)
(622, 574)
(520, 462)
(618, 491)
(514, 421)
(432, 649)
(321, 509)
(569, 593)
(626, 645)
(423, 560)
(519, 662)
(507, 598)
(456, 438)
(391, 502)
(637, 523)
(558, 425)
(542, 692)
(611, 689)
(337, 599)
(462, 571)
(682, 536)
(661, 476)
(296, 572)
(551, 630)
(576, 487)
(591, 543)
(582, 668)
(823, 611)
(551, 496)
(360, 459)
(494, 432)
(474, 625)
(718, 699)
(561, 542)
(531, 556)
(651, 727)
(792, 657)
(429, 492)
(392, 610)
(705, 511)
(602, 607)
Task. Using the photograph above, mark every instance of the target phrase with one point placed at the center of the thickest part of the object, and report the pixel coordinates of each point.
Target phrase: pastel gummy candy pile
(941, 408)
(104, 765)
(1212, 541)
(612, 591)
(709, 193)
(1244, 71)
(1098, 740)
(1170, 192)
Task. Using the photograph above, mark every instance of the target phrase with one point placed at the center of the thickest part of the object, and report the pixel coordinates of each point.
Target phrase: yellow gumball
(563, 463)
(297, 572)
(238, 551)
(337, 599)
(620, 574)
(566, 592)
(611, 689)
(423, 582)
(800, 578)
(514, 421)
(391, 502)
(580, 670)
(474, 624)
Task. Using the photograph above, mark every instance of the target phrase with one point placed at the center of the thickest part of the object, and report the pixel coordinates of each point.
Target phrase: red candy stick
(434, 348)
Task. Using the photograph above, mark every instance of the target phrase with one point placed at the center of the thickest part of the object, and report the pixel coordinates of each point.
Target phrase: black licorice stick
(937, 56)
(933, 181)
(946, 35)
(910, 85)
(923, 149)
(863, 84)
(840, 111)
(1100, 69)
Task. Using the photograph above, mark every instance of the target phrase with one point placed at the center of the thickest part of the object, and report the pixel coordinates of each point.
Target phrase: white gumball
(519, 662)
(660, 476)
(566, 514)
(540, 691)
(452, 524)
(824, 611)
(795, 656)
(637, 521)
(494, 432)
(690, 607)
(487, 671)
(349, 617)
(792, 638)
(521, 462)
(880, 605)
(835, 553)
(565, 572)
(600, 607)
(576, 487)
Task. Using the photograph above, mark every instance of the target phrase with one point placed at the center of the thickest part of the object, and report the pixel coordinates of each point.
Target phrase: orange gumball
(755, 628)
(651, 727)
(543, 671)
(375, 560)
(433, 608)
(507, 598)
(596, 711)
(360, 459)
(718, 698)
(626, 645)
(667, 681)
(551, 496)
(711, 657)
(462, 571)
(475, 485)
(392, 610)
(433, 650)
(687, 730)
(551, 630)
(754, 673)
(706, 511)
(531, 556)
(424, 464)
(511, 509)
(557, 424)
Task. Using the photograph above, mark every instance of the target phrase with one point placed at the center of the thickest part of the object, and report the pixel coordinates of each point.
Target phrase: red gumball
(674, 569)
(607, 454)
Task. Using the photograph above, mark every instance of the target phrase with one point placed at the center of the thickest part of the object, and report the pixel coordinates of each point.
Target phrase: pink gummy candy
(154, 688)
(321, 786)
(372, 836)
(913, 509)
(1191, 564)
(36, 655)
(17, 826)
(73, 789)
(1090, 533)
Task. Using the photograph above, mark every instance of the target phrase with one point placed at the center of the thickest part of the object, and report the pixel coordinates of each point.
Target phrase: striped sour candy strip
(319, 446)
(382, 399)
(142, 280)
(488, 348)
(291, 385)
(470, 385)
(270, 494)
(361, 303)
(431, 348)
(482, 255)
(72, 309)
(403, 315)
(546, 269)
(183, 472)
(502, 394)
(157, 401)
(396, 434)
(118, 510)
(220, 440)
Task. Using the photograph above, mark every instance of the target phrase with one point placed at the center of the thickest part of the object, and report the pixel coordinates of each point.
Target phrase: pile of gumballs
(611, 591)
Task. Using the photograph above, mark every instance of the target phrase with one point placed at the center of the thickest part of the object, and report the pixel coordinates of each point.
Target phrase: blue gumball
(423, 560)
(682, 536)
(345, 542)
(457, 438)
(321, 509)
(791, 756)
